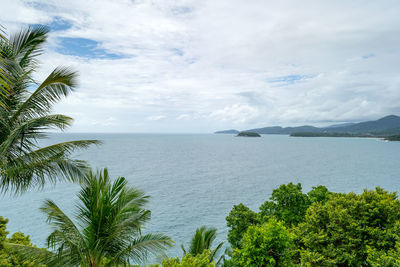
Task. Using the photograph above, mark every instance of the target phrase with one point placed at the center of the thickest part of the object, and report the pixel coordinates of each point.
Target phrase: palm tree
(5, 82)
(202, 240)
(108, 225)
(25, 116)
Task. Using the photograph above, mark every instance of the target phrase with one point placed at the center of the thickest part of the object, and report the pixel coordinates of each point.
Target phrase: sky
(197, 66)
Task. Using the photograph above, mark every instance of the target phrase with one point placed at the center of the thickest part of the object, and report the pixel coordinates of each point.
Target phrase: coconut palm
(25, 116)
(203, 240)
(107, 226)
(5, 82)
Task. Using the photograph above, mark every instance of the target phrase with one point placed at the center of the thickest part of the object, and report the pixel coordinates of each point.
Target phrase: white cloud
(156, 118)
(207, 65)
(237, 113)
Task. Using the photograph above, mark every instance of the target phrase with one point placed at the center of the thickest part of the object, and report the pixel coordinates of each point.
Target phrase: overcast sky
(206, 65)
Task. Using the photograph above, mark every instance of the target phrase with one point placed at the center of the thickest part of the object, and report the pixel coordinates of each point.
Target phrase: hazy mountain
(388, 124)
(286, 130)
(231, 131)
(383, 124)
(340, 125)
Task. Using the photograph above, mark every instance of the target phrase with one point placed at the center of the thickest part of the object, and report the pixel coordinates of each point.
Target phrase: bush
(188, 260)
(351, 230)
(264, 245)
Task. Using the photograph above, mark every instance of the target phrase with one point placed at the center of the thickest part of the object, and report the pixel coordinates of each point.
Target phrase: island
(393, 138)
(311, 134)
(248, 134)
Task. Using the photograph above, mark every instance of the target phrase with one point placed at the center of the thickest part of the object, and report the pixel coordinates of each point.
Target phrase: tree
(189, 260)
(264, 245)
(287, 204)
(351, 230)
(107, 232)
(12, 249)
(5, 82)
(238, 220)
(202, 240)
(319, 194)
(25, 116)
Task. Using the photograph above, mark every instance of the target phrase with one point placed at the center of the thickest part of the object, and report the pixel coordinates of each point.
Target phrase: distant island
(387, 127)
(248, 134)
(393, 138)
(310, 134)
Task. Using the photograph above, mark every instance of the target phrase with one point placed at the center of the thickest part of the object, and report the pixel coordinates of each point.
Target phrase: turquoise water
(195, 180)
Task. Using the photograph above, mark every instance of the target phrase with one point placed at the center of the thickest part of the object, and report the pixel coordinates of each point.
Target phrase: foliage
(189, 260)
(287, 204)
(264, 245)
(25, 116)
(10, 248)
(395, 137)
(248, 134)
(238, 220)
(390, 258)
(319, 194)
(109, 218)
(351, 230)
(202, 240)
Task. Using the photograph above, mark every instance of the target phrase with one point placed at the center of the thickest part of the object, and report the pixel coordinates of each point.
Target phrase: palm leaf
(25, 116)
(140, 249)
(27, 45)
(56, 86)
(29, 129)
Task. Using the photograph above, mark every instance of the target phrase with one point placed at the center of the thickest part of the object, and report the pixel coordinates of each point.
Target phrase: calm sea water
(195, 179)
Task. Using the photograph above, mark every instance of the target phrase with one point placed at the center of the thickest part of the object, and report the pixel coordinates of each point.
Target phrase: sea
(195, 179)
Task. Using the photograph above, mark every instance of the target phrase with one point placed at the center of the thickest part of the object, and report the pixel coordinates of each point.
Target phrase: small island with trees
(248, 134)
(393, 138)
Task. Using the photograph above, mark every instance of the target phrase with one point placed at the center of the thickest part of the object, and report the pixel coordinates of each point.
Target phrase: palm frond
(27, 45)
(66, 237)
(48, 164)
(216, 251)
(140, 249)
(29, 130)
(56, 86)
(65, 148)
(24, 116)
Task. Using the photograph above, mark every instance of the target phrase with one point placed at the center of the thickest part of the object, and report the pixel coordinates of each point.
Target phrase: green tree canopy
(238, 220)
(189, 260)
(264, 245)
(287, 204)
(351, 230)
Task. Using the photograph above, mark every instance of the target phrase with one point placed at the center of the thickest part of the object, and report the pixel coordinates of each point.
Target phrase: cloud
(221, 63)
(237, 114)
(156, 118)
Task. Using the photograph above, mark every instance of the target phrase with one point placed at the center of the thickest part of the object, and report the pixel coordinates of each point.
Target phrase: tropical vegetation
(107, 228)
(321, 228)
(189, 260)
(10, 253)
(292, 228)
(26, 114)
(202, 240)
(264, 245)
